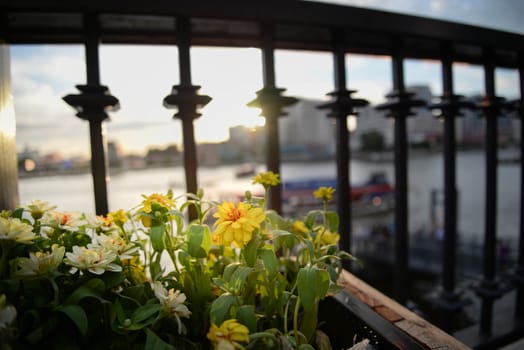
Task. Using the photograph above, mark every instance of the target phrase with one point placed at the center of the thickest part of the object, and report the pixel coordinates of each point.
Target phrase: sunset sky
(141, 76)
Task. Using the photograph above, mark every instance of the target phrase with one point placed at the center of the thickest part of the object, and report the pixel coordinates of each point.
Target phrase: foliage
(239, 276)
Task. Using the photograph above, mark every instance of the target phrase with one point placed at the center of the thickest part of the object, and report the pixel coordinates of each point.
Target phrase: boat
(246, 170)
(374, 196)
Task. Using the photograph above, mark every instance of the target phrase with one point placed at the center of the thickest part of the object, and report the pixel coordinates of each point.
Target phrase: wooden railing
(296, 25)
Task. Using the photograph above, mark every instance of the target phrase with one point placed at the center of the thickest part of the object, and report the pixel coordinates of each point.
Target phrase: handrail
(297, 25)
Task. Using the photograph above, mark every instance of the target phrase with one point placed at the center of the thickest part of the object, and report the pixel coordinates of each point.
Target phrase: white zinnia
(7, 313)
(15, 230)
(96, 260)
(40, 263)
(37, 208)
(173, 303)
(114, 242)
(70, 221)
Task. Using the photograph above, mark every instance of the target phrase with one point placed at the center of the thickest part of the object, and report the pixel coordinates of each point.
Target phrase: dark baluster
(91, 104)
(270, 101)
(449, 300)
(399, 105)
(519, 273)
(489, 289)
(186, 99)
(341, 107)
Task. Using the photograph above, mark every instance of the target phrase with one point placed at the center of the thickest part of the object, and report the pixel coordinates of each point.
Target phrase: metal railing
(297, 25)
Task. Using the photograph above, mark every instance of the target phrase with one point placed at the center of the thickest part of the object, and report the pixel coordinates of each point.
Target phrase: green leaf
(199, 241)
(119, 311)
(270, 260)
(77, 315)
(239, 276)
(17, 213)
(112, 279)
(157, 237)
(332, 221)
(144, 312)
(250, 251)
(220, 307)
(312, 285)
(312, 217)
(283, 238)
(246, 316)
(305, 347)
(93, 288)
(154, 342)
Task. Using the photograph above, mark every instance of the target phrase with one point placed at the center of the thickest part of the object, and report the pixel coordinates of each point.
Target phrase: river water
(74, 192)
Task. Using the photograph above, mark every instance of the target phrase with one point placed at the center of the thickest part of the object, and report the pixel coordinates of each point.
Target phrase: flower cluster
(238, 276)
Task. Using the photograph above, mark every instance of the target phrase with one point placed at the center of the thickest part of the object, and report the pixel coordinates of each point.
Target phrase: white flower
(116, 244)
(7, 313)
(96, 260)
(100, 223)
(173, 302)
(16, 231)
(37, 208)
(40, 263)
(70, 221)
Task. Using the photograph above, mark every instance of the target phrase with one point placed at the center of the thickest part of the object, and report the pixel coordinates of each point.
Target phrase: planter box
(360, 311)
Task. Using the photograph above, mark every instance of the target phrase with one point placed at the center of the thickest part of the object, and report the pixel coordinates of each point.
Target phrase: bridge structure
(294, 25)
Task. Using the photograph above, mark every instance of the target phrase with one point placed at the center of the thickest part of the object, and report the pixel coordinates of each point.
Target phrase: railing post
(91, 105)
(519, 273)
(489, 288)
(399, 107)
(342, 106)
(449, 300)
(9, 198)
(271, 102)
(186, 99)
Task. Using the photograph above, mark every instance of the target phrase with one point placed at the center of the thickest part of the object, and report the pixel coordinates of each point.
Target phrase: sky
(141, 76)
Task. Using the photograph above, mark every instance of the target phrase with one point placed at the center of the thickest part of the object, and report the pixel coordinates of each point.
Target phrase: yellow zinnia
(228, 335)
(236, 223)
(324, 193)
(163, 200)
(118, 217)
(267, 179)
(298, 227)
(326, 237)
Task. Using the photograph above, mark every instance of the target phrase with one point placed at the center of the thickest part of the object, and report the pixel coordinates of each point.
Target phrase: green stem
(261, 335)
(171, 251)
(4, 261)
(286, 309)
(295, 320)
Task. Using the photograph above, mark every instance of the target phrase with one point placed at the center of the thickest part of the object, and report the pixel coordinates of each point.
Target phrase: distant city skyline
(141, 76)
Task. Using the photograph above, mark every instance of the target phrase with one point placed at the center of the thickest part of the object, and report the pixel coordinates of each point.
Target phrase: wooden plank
(418, 328)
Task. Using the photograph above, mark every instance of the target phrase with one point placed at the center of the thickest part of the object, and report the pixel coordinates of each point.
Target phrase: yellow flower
(236, 224)
(267, 179)
(324, 193)
(228, 335)
(118, 217)
(326, 237)
(135, 270)
(164, 200)
(14, 230)
(299, 228)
